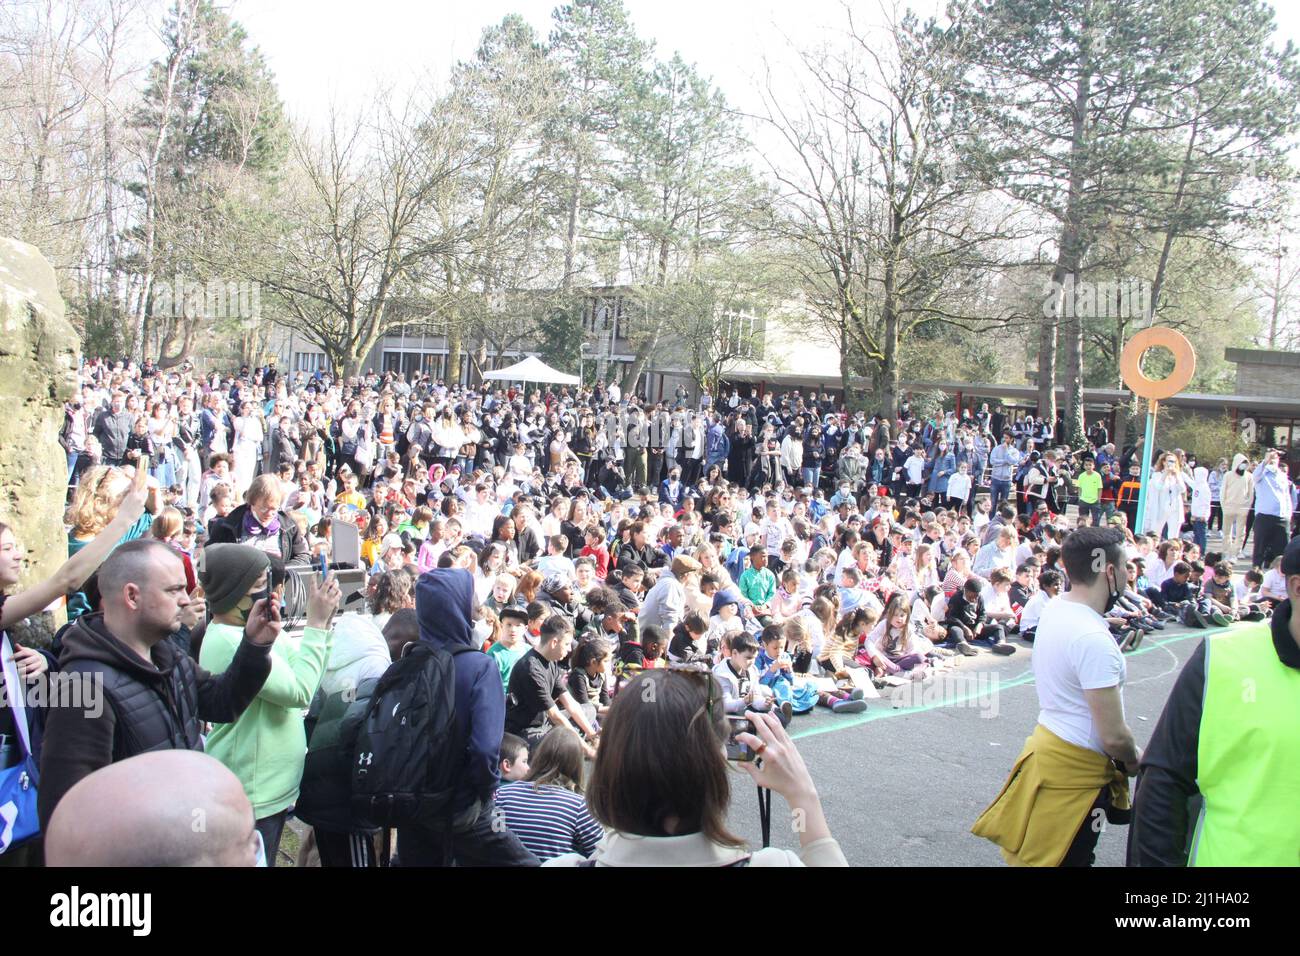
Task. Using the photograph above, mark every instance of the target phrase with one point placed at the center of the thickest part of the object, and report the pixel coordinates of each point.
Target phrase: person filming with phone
(157, 698)
(660, 782)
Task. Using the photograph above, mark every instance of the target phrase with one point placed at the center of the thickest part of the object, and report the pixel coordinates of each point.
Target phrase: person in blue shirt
(1273, 509)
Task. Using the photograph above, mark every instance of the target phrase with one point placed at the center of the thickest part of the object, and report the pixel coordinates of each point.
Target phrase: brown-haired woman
(546, 809)
(660, 785)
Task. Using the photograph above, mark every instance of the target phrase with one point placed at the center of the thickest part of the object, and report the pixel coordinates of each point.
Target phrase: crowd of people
(594, 571)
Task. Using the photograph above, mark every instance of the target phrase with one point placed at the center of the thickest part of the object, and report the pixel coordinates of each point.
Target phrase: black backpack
(407, 755)
(325, 795)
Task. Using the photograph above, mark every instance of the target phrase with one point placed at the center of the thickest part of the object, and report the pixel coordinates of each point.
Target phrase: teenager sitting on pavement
(537, 698)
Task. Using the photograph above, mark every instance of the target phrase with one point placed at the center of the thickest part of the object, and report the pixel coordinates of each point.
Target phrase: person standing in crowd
(266, 745)
(1273, 509)
(476, 834)
(113, 430)
(1228, 741)
(1073, 771)
(1237, 495)
(156, 697)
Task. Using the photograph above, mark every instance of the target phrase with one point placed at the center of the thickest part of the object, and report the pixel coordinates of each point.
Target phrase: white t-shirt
(1032, 612)
(1073, 652)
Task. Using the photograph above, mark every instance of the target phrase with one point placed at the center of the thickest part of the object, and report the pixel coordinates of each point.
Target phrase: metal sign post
(1154, 391)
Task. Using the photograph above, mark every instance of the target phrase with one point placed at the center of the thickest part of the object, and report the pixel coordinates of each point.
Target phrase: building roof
(1263, 357)
(1281, 407)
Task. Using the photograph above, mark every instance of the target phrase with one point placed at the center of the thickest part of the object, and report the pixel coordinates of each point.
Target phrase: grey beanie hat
(227, 571)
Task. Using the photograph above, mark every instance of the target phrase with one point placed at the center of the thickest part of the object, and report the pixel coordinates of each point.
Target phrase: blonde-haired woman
(96, 504)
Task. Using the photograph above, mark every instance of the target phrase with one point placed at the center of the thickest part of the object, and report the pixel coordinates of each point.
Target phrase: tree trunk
(1068, 259)
(455, 344)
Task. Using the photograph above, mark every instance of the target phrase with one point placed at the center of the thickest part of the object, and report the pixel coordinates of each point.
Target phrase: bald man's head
(166, 808)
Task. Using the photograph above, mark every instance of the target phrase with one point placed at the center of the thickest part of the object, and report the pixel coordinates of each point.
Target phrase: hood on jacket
(1238, 460)
(90, 640)
(444, 606)
(1201, 477)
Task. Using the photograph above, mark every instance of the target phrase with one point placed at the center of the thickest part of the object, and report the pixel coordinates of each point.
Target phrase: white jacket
(1238, 491)
(358, 652)
(1201, 497)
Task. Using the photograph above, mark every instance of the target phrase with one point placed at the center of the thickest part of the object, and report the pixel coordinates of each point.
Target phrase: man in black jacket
(153, 697)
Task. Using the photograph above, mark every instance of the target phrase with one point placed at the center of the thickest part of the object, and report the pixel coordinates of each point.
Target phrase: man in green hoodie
(267, 746)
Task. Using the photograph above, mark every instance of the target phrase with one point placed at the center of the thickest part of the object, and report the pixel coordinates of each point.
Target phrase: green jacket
(267, 746)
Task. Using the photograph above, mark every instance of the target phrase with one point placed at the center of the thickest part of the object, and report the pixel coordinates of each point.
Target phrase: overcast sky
(338, 49)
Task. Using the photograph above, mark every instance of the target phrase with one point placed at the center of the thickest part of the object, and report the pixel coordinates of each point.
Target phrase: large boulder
(39, 351)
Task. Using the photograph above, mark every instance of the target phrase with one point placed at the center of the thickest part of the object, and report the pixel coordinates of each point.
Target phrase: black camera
(737, 750)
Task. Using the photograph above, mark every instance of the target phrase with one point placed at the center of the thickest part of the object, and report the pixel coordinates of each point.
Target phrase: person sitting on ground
(514, 758)
(142, 811)
(967, 624)
(739, 679)
(586, 679)
(537, 698)
(660, 783)
(1049, 586)
(510, 646)
(546, 809)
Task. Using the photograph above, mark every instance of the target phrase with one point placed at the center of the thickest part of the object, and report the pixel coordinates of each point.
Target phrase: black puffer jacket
(143, 707)
(230, 530)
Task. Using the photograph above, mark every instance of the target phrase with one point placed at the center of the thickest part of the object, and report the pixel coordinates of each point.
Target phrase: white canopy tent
(531, 369)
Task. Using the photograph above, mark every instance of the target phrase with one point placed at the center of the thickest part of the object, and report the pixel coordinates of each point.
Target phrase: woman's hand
(780, 766)
(31, 663)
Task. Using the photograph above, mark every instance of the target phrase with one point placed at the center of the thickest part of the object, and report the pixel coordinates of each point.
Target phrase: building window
(412, 363)
(308, 362)
(742, 336)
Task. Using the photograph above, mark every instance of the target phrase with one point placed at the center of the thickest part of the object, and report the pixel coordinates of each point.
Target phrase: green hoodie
(267, 746)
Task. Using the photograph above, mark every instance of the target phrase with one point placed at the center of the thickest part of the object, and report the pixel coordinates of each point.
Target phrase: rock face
(38, 361)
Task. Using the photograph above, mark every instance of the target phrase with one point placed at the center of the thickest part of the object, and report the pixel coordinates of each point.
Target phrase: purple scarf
(253, 529)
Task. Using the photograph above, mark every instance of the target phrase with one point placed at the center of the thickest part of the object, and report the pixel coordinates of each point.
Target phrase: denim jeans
(812, 476)
(1001, 489)
(1199, 531)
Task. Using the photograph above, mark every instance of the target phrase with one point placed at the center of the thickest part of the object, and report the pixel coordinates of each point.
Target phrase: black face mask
(1112, 596)
(264, 594)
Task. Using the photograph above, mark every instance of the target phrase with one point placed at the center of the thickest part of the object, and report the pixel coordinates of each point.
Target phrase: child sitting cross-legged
(843, 699)
(776, 671)
(739, 678)
(895, 647)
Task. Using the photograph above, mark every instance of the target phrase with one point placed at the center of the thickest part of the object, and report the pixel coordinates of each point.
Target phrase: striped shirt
(548, 819)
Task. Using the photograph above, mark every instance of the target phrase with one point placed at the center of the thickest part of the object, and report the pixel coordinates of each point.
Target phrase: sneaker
(1220, 619)
(857, 694)
(787, 711)
(965, 649)
(1003, 648)
(1131, 640)
(1156, 625)
(1143, 625)
(1192, 617)
(945, 652)
(848, 706)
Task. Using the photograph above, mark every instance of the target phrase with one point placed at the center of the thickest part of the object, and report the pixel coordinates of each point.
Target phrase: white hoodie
(358, 652)
(1201, 497)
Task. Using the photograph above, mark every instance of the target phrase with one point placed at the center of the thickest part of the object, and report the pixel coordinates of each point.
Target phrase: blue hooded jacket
(444, 606)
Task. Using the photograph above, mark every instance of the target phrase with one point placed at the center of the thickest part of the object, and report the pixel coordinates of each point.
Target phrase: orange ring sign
(1156, 389)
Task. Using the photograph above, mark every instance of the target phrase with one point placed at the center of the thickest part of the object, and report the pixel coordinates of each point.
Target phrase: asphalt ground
(902, 783)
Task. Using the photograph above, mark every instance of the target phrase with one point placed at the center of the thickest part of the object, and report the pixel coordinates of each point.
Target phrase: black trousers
(1271, 535)
(488, 842)
(1083, 849)
(353, 849)
(272, 828)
